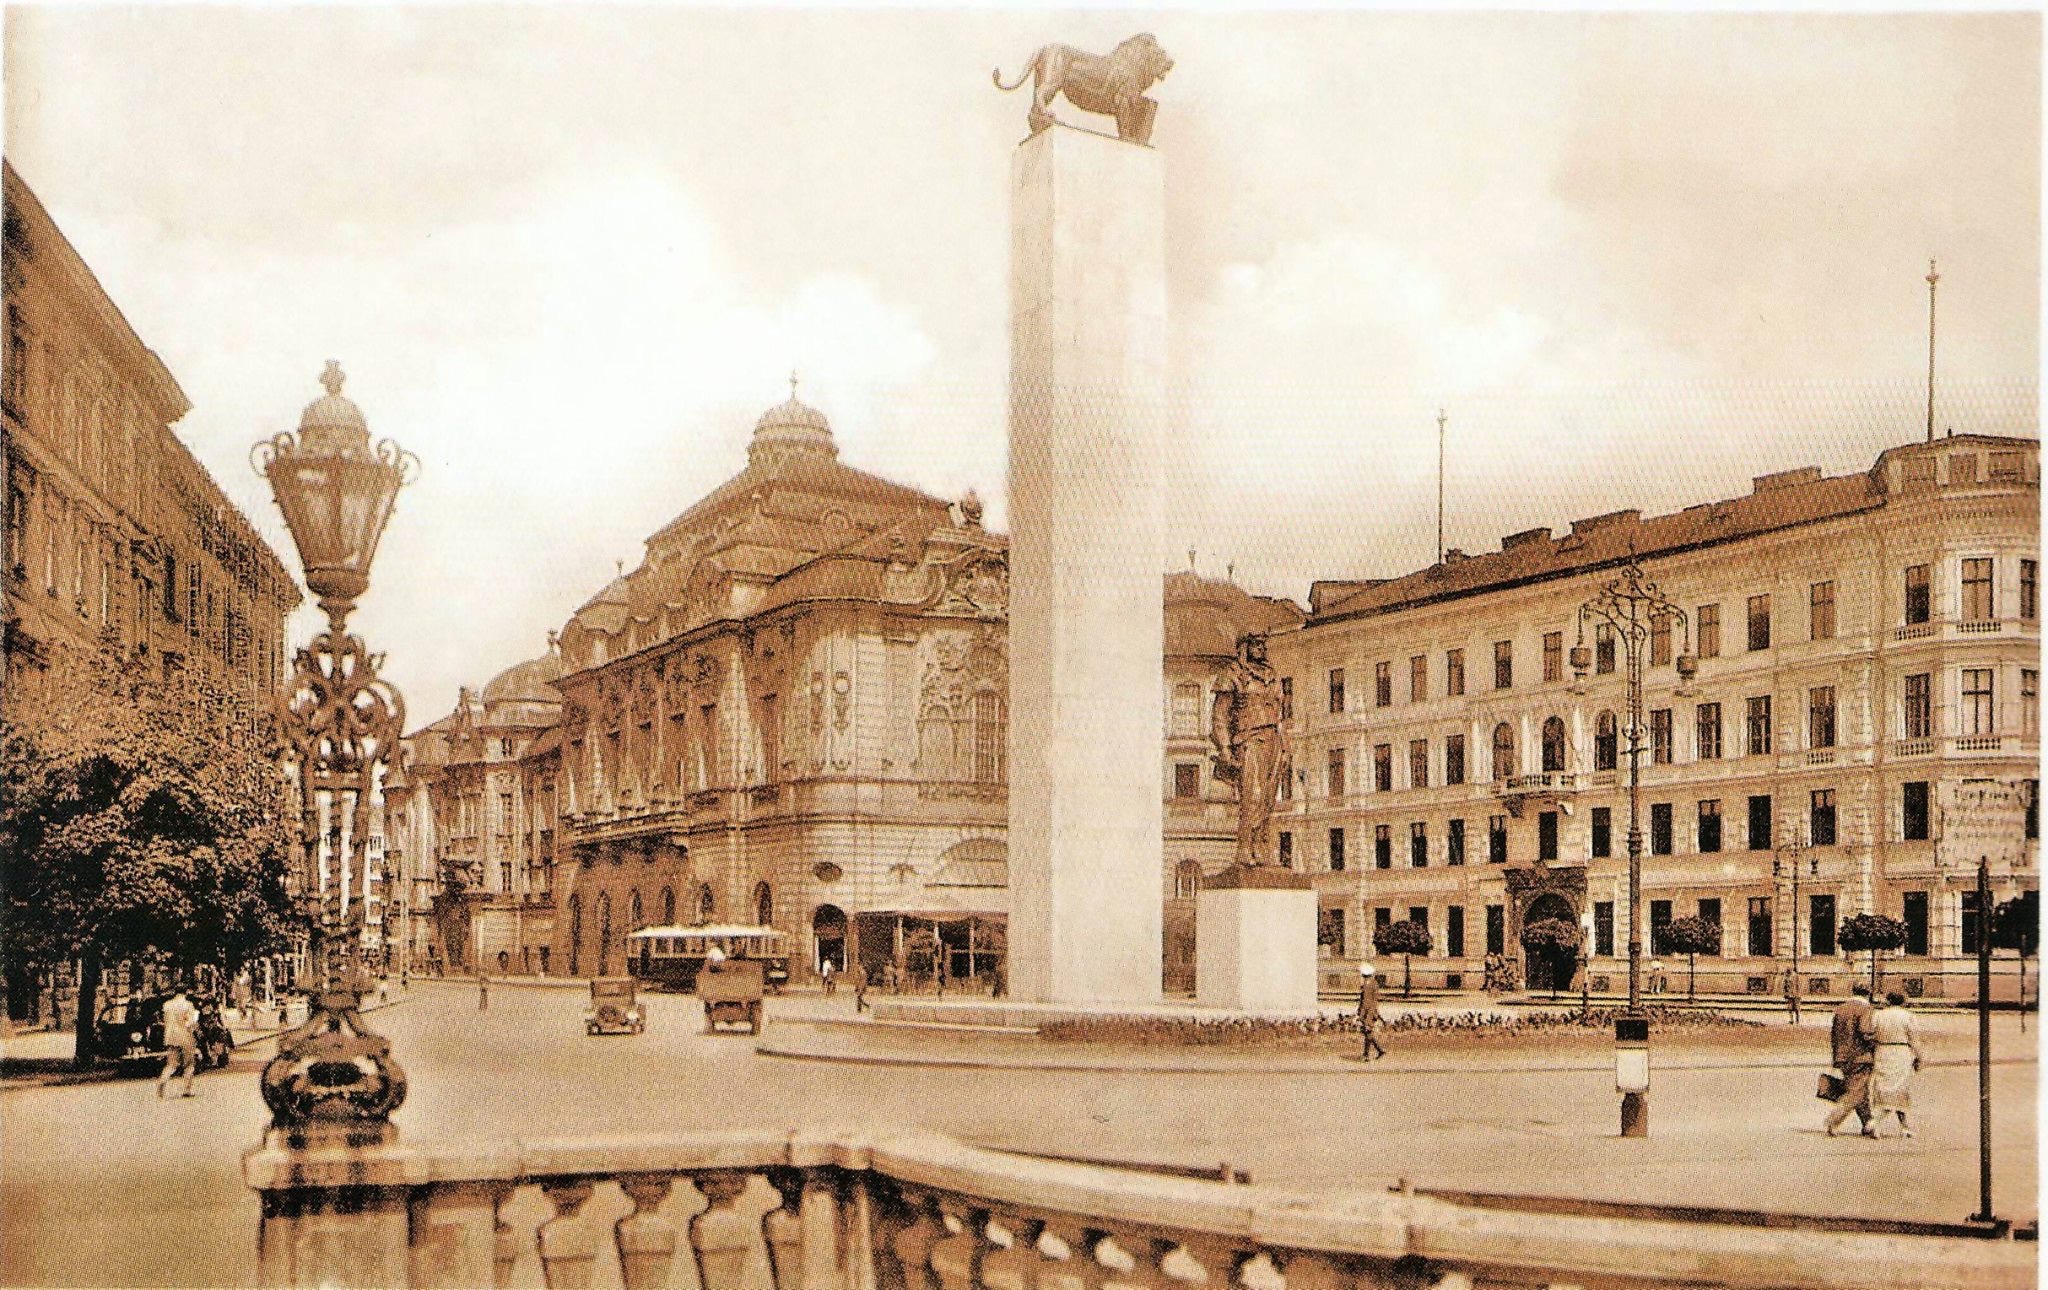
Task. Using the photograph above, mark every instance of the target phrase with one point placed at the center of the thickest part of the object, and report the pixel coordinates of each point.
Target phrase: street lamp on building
(1793, 859)
(341, 722)
(1638, 614)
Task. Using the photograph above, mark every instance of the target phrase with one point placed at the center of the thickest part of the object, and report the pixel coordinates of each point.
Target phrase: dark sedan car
(132, 1032)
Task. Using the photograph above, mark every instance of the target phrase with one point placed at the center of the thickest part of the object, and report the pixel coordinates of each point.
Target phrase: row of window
(1915, 816)
(1978, 579)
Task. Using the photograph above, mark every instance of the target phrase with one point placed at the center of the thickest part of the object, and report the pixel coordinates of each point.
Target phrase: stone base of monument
(1255, 941)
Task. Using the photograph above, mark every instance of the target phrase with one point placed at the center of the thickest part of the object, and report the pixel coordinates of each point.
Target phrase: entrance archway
(1550, 969)
(828, 932)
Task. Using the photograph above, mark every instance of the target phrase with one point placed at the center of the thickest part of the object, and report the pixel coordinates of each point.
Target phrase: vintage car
(731, 992)
(614, 1008)
(131, 1032)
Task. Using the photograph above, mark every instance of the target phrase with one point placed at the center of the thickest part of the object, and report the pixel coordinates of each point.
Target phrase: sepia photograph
(835, 647)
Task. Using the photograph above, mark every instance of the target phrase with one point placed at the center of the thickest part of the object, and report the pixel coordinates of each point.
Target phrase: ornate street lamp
(1792, 858)
(1633, 608)
(340, 722)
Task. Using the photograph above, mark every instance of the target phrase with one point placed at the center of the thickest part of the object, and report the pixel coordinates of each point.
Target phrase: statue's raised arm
(1113, 85)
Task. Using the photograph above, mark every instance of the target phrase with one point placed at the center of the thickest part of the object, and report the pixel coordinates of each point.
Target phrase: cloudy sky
(567, 255)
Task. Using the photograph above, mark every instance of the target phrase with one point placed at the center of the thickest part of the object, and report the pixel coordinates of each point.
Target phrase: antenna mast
(1932, 278)
(1440, 420)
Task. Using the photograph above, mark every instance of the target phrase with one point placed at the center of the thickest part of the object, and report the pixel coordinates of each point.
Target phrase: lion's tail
(996, 73)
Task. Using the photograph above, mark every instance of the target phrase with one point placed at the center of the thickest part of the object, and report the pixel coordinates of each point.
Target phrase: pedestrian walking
(827, 973)
(483, 992)
(1656, 976)
(1792, 996)
(860, 987)
(1853, 1052)
(181, 1041)
(1898, 1057)
(1369, 1013)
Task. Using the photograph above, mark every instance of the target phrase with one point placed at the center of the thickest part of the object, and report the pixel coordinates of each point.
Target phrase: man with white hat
(1369, 1011)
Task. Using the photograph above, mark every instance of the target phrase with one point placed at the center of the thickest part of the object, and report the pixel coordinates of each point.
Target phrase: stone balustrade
(859, 1211)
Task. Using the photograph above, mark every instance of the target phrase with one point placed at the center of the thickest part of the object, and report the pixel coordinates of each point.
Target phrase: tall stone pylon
(1087, 559)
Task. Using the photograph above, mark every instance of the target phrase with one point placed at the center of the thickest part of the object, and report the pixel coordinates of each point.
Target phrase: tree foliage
(2016, 924)
(1873, 932)
(1693, 937)
(139, 816)
(1406, 938)
(1556, 935)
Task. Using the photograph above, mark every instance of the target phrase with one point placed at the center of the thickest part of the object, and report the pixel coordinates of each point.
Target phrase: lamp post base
(1635, 1115)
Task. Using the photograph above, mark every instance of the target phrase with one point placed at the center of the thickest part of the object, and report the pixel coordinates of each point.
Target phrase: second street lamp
(1641, 617)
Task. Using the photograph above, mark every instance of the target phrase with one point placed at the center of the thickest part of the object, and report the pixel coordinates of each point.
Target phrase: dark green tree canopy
(1404, 937)
(1551, 934)
(1694, 935)
(2016, 924)
(1871, 932)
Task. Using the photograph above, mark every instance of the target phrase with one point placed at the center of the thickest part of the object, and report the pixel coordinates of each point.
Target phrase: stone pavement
(39, 1058)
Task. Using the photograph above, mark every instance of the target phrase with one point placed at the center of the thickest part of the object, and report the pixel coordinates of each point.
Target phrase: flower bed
(1243, 1031)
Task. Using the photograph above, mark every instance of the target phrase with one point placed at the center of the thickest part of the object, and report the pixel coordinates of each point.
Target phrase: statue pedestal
(1255, 941)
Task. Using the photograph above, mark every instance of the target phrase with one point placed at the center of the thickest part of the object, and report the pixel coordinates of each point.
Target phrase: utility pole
(1983, 1214)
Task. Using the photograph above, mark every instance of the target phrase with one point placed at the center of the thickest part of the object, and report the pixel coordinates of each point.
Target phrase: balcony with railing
(1539, 788)
(833, 1211)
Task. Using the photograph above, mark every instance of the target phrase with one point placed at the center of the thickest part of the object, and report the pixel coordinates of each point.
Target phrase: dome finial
(792, 383)
(332, 378)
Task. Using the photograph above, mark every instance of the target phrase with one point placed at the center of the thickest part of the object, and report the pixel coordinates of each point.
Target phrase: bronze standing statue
(1114, 85)
(1251, 746)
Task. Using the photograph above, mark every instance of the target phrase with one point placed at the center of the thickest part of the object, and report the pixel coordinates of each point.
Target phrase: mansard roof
(1205, 616)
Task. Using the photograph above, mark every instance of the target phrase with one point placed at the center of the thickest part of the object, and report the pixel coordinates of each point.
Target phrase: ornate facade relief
(976, 583)
(963, 707)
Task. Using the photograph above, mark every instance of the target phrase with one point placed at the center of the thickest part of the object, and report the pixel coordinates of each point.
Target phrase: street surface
(101, 1184)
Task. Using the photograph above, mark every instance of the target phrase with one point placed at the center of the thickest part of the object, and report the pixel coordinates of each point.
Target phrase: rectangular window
(1418, 678)
(1503, 664)
(1286, 850)
(1820, 926)
(1382, 846)
(1553, 656)
(1660, 927)
(1454, 843)
(1760, 725)
(1820, 611)
(1919, 706)
(1383, 768)
(2031, 792)
(1603, 928)
(2030, 701)
(1382, 918)
(1603, 832)
(1454, 931)
(1710, 631)
(1660, 828)
(1603, 648)
(1914, 815)
(1336, 689)
(1660, 640)
(1418, 845)
(1977, 709)
(1419, 915)
(1330, 930)
(1710, 912)
(1821, 818)
(1760, 822)
(1454, 759)
(1187, 779)
(1336, 851)
(1914, 907)
(1382, 685)
(1760, 622)
(1760, 926)
(171, 585)
(1660, 736)
(1497, 839)
(1496, 929)
(1707, 731)
(1976, 590)
(1962, 469)
(1333, 778)
(1287, 785)
(1454, 672)
(1820, 717)
(1919, 596)
(1971, 914)
(1710, 825)
(2030, 592)
(1546, 835)
(1418, 763)
(1287, 698)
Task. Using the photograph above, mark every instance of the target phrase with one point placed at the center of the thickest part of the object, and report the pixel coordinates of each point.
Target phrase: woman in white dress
(1898, 1056)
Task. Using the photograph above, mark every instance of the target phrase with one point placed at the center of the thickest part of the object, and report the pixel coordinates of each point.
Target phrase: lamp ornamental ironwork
(341, 722)
(1635, 610)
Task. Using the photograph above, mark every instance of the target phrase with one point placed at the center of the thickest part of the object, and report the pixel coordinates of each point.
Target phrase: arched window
(575, 935)
(991, 736)
(1187, 879)
(1503, 751)
(935, 743)
(668, 906)
(604, 933)
(707, 904)
(1606, 739)
(764, 905)
(1553, 744)
(637, 922)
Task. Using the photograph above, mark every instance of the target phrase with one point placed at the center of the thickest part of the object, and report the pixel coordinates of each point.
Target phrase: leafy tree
(1873, 932)
(1557, 936)
(1693, 937)
(138, 816)
(2016, 926)
(1406, 938)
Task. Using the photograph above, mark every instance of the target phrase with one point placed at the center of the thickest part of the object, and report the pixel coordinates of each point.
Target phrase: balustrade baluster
(1068, 1264)
(1324, 1272)
(646, 1240)
(568, 1248)
(450, 1239)
(721, 1236)
(911, 1242)
(956, 1256)
(782, 1229)
(1221, 1262)
(504, 1241)
(859, 1213)
(1012, 1253)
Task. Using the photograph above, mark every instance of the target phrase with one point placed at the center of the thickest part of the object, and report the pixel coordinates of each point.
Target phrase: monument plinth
(1087, 558)
(1255, 936)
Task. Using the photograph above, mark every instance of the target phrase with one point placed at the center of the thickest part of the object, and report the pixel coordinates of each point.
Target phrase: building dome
(528, 682)
(792, 414)
(790, 428)
(332, 413)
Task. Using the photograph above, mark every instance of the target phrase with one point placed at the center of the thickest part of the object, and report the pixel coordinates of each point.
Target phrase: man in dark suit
(1854, 1056)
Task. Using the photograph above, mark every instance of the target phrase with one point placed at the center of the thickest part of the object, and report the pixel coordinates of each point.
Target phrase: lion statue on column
(1113, 85)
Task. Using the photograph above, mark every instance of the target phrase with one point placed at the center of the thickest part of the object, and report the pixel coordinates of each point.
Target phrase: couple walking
(1877, 1051)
